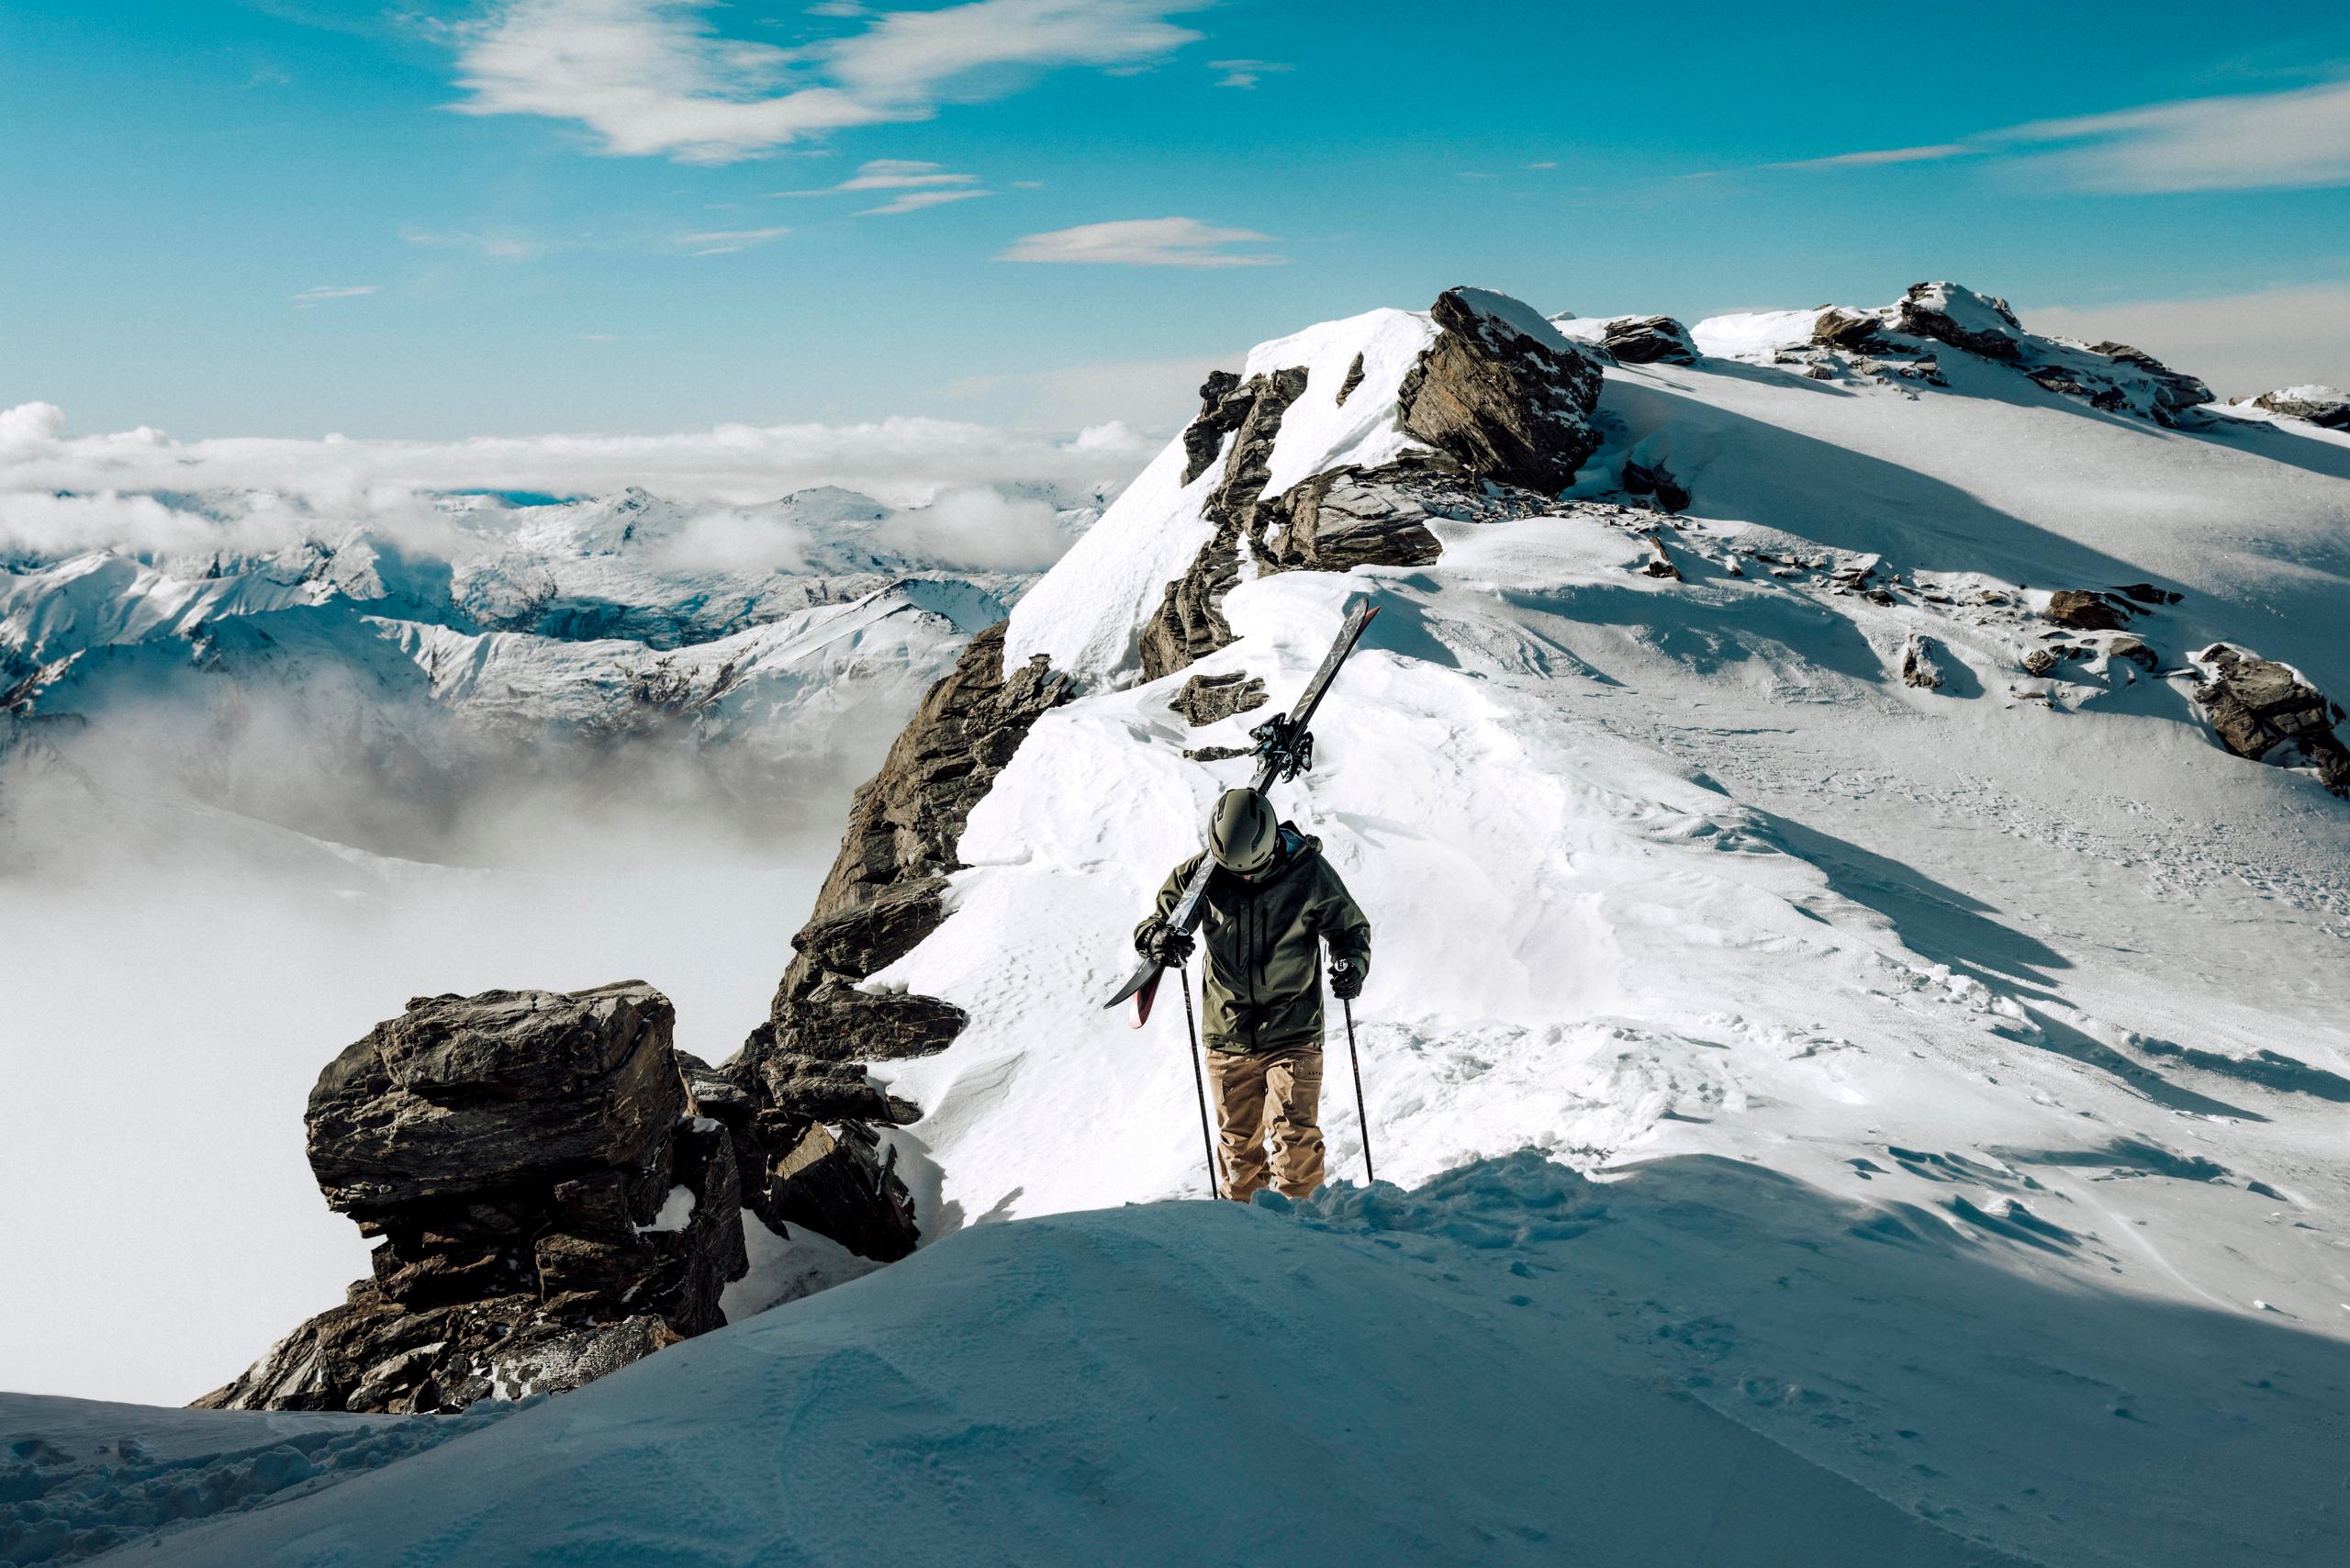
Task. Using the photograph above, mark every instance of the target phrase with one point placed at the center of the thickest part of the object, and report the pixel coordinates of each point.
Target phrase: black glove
(1168, 946)
(1345, 979)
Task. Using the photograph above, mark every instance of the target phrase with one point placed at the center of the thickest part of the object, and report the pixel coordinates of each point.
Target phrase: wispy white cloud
(1143, 242)
(914, 201)
(2253, 140)
(1929, 155)
(655, 77)
(1247, 73)
(726, 242)
(901, 173)
(59, 492)
(498, 247)
(2293, 138)
(352, 291)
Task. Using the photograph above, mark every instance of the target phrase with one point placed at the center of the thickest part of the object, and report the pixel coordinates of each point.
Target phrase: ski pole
(1199, 1082)
(1362, 1111)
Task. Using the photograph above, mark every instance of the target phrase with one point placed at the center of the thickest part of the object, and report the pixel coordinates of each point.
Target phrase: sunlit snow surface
(1942, 1087)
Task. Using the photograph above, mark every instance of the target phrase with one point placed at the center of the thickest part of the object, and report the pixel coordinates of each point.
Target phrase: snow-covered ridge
(1578, 767)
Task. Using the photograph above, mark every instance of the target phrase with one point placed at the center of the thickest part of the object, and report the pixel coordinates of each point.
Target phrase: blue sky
(291, 217)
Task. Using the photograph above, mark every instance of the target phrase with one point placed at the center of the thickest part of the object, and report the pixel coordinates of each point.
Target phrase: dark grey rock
(547, 1205)
(1918, 313)
(1502, 405)
(463, 1094)
(2261, 710)
(1205, 699)
(2175, 390)
(2321, 405)
(2084, 611)
(1353, 379)
(841, 1180)
(1847, 330)
(1189, 623)
(1649, 340)
(881, 898)
(1919, 667)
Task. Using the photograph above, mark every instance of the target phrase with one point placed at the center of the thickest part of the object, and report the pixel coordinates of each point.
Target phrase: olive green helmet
(1243, 831)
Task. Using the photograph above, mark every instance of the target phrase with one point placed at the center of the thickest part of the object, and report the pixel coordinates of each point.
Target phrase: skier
(1272, 904)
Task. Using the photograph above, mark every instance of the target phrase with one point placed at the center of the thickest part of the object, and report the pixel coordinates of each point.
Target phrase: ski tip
(1144, 998)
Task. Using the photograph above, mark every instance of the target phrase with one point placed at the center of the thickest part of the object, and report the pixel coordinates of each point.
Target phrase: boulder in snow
(1649, 340)
(548, 1207)
(1502, 393)
(2265, 710)
(1207, 699)
(2321, 405)
(2084, 611)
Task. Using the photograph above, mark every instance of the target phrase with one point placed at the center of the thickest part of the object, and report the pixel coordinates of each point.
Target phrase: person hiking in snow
(1272, 906)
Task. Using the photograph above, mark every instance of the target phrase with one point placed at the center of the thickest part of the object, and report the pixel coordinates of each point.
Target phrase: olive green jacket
(1263, 941)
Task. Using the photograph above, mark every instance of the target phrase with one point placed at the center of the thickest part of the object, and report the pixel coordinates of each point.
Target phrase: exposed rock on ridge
(2321, 405)
(550, 1206)
(1504, 411)
(1500, 403)
(1189, 623)
(798, 1075)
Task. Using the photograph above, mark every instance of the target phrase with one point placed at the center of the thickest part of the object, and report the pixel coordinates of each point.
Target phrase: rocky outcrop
(1500, 401)
(1919, 667)
(1189, 622)
(1649, 340)
(2084, 611)
(2321, 405)
(2263, 710)
(549, 1203)
(1207, 699)
(1979, 323)
(1847, 329)
(1352, 380)
(798, 1074)
(2111, 377)
(1655, 481)
(2175, 391)
(1350, 517)
(1499, 395)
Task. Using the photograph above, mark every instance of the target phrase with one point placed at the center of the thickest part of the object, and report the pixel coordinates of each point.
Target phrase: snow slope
(1932, 1094)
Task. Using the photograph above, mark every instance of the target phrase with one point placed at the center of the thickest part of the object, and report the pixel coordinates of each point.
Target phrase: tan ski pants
(1280, 1092)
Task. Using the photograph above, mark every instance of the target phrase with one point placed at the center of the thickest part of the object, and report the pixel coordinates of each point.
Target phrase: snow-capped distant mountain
(779, 642)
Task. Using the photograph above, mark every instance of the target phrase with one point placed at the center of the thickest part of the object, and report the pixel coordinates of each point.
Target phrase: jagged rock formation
(1189, 623)
(550, 1203)
(1503, 412)
(1499, 402)
(2263, 710)
(1649, 340)
(2321, 405)
(1205, 699)
(1351, 516)
(1901, 340)
(803, 1107)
